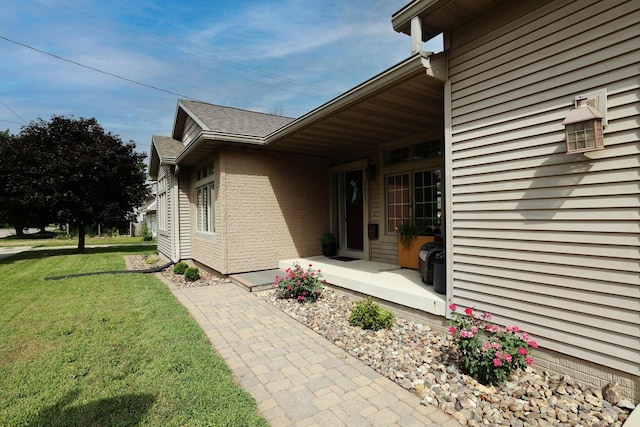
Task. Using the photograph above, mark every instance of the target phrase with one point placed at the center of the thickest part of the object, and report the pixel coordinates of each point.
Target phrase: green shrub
(369, 315)
(191, 274)
(146, 233)
(302, 285)
(180, 267)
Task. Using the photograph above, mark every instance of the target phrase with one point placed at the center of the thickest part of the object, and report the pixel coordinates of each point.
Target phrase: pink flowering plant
(302, 285)
(486, 351)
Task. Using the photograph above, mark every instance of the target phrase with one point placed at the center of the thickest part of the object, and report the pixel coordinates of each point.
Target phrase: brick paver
(297, 377)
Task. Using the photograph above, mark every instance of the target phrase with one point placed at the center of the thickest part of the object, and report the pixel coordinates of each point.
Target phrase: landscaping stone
(423, 360)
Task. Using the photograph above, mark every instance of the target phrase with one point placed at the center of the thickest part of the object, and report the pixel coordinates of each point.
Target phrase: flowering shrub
(488, 352)
(303, 285)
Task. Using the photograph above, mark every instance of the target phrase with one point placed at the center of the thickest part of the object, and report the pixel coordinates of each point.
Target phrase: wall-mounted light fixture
(583, 126)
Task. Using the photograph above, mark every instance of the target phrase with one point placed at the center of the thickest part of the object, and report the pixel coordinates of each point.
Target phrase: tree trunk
(19, 230)
(81, 236)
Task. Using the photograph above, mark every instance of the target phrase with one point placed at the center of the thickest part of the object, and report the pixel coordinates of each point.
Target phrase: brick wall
(269, 206)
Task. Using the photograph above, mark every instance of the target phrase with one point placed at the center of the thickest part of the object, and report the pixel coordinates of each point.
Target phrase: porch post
(416, 34)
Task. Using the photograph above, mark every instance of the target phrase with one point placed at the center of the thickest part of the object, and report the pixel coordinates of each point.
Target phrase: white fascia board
(221, 138)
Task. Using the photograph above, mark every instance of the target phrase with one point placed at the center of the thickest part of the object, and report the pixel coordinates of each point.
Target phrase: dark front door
(354, 210)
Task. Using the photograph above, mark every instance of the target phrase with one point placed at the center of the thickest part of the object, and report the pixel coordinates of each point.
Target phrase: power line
(164, 43)
(99, 70)
(14, 113)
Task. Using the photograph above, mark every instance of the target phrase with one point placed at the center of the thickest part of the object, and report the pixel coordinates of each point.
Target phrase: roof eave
(182, 112)
(401, 20)
(418, 62)
(155, 161)
(217, 138)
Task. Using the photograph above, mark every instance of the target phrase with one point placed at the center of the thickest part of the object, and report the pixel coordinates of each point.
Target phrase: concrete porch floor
(386, 282)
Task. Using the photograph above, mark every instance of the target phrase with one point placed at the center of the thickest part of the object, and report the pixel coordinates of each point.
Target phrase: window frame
(426, 154)
(204, 199)
(408, 203)
(163, 205)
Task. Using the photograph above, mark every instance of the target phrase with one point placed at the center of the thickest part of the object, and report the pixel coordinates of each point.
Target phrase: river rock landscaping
(423, 361)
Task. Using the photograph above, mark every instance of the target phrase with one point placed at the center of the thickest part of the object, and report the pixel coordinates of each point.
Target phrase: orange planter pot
(408, 257)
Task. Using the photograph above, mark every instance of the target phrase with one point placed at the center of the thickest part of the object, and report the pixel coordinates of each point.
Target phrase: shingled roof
(233, 120)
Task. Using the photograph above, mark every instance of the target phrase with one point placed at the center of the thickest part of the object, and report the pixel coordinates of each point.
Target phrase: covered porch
(385, 282)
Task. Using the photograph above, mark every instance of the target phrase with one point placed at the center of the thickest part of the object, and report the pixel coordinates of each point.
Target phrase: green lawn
(46, 241)
(110, 350)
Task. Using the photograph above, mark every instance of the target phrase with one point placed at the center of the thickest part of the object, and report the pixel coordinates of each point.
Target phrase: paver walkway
(297, 377)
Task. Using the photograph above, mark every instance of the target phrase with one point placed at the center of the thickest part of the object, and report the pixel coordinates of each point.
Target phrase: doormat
(344, 258)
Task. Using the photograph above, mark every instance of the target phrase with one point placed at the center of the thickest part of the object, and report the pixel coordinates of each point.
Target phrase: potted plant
(329, 247)
(411, 236)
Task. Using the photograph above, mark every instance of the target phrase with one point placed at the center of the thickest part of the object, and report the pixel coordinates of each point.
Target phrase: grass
(51, 240)
(110, 350)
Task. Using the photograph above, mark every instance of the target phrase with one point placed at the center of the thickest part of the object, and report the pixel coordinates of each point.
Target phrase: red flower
(453, 307)
(497, 362)
(522, 351)
(452, 330)
(468, 311)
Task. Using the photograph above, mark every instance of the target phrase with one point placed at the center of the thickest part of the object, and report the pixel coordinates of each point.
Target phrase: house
(146, 214)
(540, 218)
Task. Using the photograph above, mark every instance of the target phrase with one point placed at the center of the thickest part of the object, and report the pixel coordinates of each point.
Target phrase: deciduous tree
(82, 173)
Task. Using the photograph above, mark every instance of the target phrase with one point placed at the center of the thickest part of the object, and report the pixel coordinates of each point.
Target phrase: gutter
(220, 137)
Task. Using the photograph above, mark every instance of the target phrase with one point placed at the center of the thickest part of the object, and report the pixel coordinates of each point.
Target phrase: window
(416, 151)
(163, 207)
(414, 196)
(204, 198)
(427, 197)
(397, 201)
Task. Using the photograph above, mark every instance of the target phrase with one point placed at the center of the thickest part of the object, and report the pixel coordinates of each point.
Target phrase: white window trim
(205, 187)
(163, 207)
(409, 167)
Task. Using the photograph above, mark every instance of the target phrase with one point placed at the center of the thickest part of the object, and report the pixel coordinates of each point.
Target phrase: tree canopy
(69, 170)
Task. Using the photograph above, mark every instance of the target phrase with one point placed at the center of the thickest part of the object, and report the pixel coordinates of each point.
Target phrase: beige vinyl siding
(382, 249)
(191, 130)
(185, 193)
(542, 239)
(165, 240)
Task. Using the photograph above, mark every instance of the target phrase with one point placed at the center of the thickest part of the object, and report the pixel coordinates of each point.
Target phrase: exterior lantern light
(583, 128)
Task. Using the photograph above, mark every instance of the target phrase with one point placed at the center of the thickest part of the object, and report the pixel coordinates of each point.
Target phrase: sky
(126, 63)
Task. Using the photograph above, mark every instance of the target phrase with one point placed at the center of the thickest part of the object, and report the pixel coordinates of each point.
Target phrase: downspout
(176, 215)
(448, 169)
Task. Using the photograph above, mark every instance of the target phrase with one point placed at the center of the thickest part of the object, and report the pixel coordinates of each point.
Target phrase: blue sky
(284, 57)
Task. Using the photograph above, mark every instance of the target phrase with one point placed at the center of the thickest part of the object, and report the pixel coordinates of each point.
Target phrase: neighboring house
(150, 217)
(540, 237)
(146, 213)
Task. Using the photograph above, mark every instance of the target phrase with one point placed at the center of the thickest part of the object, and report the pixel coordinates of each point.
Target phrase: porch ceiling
(404, 100)
(404, 105)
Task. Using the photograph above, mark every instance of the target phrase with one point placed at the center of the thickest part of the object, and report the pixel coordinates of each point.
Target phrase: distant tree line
(68, 171)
